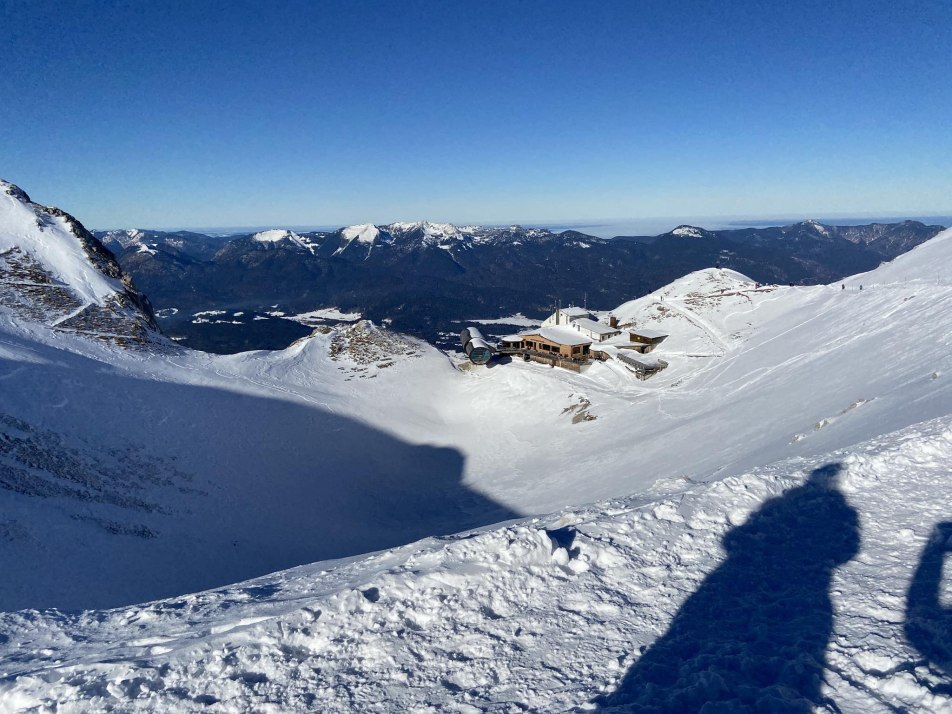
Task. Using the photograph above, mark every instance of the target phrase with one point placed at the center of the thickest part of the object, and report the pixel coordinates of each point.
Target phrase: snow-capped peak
(274, 235)
(431, 229)
(816, 226)
(440, 230)
(688, 232)
(278, 235)
(362, 233)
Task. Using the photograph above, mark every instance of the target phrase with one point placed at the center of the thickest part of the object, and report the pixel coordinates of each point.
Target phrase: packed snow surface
(778, 589)
(764, 528)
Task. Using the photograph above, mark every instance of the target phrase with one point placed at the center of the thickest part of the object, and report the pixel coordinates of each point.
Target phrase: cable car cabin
(475, 346)
(478, 351)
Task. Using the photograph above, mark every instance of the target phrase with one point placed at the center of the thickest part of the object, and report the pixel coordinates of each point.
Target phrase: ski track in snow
(692, 316)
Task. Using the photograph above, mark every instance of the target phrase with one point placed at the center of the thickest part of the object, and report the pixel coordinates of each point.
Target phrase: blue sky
(316, 113)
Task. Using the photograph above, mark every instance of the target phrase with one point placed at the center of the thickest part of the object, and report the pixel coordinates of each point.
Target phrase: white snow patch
(327, 314)
(517, 319)
(363, 233)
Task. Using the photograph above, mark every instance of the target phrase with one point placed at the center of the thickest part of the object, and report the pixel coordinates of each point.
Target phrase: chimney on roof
(612, 321)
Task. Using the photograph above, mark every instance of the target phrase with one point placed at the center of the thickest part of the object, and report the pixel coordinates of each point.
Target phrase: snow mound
(703, 313)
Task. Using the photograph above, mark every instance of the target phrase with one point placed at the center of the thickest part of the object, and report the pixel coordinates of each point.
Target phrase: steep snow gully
(766, 526)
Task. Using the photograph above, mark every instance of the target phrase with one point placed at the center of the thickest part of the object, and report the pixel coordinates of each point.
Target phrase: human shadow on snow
(753, 637)
(928, 621)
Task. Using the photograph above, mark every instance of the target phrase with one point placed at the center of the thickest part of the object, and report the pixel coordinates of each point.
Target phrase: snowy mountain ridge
(425, 277)
(423, 234)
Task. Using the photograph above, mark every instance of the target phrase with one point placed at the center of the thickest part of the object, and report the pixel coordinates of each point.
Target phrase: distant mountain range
(425, 277)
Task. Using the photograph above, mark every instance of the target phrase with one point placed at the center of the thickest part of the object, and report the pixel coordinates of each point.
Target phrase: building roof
(646, 361)
(575, 311)
(599, 328)
(650, 334)
(512, 338)
(560, 335)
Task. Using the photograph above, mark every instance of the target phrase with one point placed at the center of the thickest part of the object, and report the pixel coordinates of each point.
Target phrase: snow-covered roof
(599, 328)
(649, 333)
(646, 361)
(575, 311)
(560, 334)
(512, 338)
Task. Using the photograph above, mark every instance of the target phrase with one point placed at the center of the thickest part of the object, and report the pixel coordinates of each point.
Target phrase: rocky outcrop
(33, 290)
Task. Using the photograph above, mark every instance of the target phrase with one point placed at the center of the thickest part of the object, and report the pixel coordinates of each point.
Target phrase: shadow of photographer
(928, 621)
(753, 637)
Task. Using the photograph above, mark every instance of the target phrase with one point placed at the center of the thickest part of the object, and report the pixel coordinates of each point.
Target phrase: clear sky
(158, 114)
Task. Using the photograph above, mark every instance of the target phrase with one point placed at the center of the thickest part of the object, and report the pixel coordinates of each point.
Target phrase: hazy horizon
(604, 228)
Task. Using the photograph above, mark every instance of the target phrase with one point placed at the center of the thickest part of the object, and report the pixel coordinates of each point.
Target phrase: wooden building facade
(646, 339)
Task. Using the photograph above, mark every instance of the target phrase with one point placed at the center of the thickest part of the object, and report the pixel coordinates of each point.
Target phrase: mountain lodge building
(582, 321)
(571, 337)
(645, 338)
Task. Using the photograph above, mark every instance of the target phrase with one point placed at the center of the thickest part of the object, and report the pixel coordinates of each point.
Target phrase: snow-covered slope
(128, 476)
(53, 271)
(771, 590)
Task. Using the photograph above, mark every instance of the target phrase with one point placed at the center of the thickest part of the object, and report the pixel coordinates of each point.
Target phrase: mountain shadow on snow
(928, 621)
(753, 637)
(149, 489)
